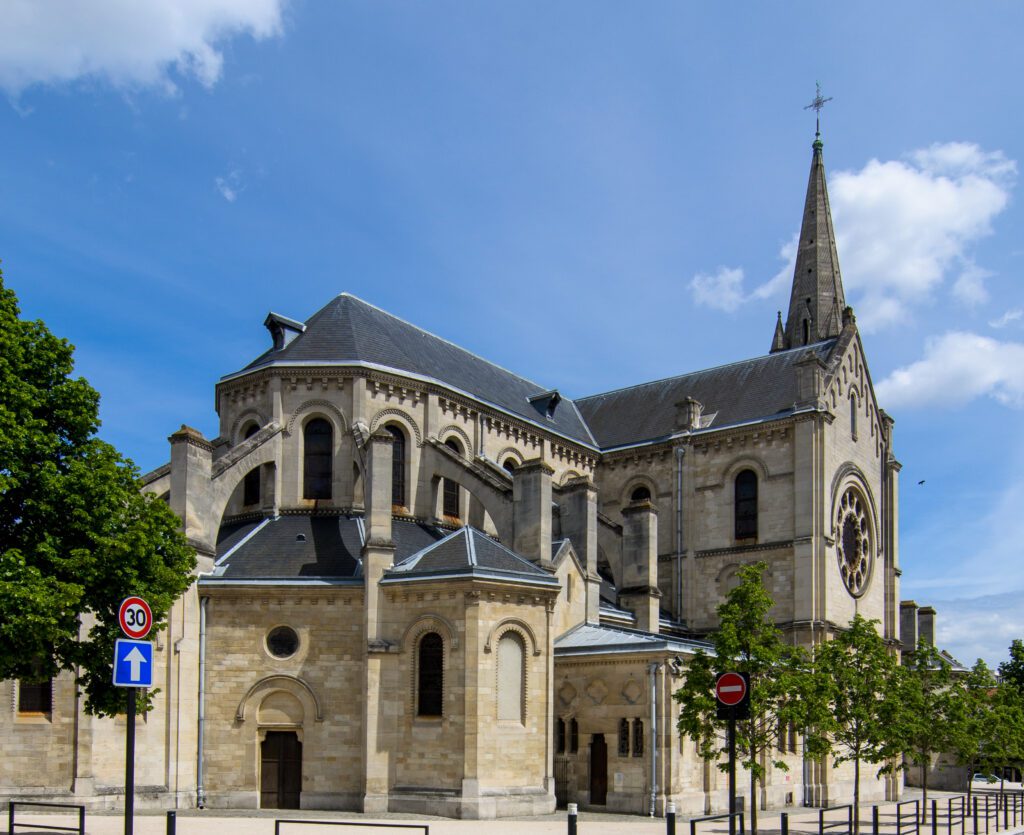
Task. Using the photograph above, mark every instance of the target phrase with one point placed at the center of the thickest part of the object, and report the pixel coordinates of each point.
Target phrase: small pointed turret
(816, 301)
(779, 340)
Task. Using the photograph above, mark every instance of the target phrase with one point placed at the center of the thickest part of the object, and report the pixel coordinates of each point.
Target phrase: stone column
(191, 488)
(639, 591)
(531, 503)
(908, 625)
(579, 525)
(378, 555)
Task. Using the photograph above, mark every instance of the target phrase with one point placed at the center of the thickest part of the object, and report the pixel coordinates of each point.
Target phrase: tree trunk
(856, 795)
(924, 788)
(753, 803)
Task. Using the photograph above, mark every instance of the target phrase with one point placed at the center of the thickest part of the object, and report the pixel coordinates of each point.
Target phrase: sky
(592, 194)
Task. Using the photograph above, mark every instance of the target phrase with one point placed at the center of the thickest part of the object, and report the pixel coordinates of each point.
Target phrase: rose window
(853, 542)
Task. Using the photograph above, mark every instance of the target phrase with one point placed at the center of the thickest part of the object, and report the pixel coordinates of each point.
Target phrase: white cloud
(230, 186)
(903, 228)
(980, 627)
(126, 43)
(956, 368)
(1013, 315)
(723, 290)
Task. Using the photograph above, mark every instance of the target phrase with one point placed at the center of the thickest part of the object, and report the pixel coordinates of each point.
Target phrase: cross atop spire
(816, 105)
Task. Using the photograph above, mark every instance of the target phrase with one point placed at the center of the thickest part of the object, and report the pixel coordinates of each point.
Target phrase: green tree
(926, 706)
(854, 671)
(76, 534)
(746, 641)
(1012, 671)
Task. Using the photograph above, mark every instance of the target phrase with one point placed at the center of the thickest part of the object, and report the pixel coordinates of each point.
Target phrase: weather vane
(816, 105)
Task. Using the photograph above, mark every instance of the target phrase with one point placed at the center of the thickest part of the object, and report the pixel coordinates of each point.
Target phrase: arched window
(397, 466)
(560, 736)
(574, 736)
(807, 331)
(318, 451)
(853, 416)
(746, 505)
(451, 488)
(430, 676)
(623, 737)
(510, 677)
(509, 466)
(638, 737)
(640, 494)
(251, 485)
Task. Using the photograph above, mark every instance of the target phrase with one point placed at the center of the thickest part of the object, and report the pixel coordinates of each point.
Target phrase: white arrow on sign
(135, 661)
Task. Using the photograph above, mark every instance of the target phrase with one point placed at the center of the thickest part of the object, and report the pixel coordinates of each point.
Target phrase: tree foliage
(1012, 671)
(747, 641)
(76, 534)
(853, 673)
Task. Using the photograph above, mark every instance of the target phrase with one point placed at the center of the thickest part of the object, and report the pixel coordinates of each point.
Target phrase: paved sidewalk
(802, 821)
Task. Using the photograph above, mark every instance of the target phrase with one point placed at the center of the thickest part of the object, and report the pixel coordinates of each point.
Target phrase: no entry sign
(135, 617)
(733, 693)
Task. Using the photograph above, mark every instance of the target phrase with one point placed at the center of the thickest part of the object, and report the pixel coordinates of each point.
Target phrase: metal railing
(725, 817)
(835, 827)
(422, 827)
(11, 823)
(901, 820)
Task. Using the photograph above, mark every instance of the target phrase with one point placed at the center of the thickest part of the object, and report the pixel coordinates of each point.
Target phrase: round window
(282, 642)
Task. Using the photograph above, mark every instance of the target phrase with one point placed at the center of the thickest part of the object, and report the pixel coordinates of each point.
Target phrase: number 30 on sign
(135, 617)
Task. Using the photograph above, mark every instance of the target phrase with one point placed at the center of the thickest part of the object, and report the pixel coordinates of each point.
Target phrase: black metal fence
(422, 827)
(734, 818)
(836, 820)
(11, 822)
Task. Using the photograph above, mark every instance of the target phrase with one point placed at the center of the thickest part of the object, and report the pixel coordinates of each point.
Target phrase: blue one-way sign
(133, 663)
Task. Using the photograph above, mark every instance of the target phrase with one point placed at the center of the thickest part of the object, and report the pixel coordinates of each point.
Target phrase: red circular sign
(730, 689)
(135, 617)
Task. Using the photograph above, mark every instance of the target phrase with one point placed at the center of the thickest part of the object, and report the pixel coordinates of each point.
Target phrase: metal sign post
(133, 668)
(732, 690)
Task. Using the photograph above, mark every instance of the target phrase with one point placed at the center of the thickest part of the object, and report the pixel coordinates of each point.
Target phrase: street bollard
(670, 818)
(572, 818)
(784, 823)
(874, 820)
(935, 817)
(172, 822)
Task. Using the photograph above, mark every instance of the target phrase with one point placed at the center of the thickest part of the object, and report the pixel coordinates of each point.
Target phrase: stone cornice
(193, 437)
(745, 549)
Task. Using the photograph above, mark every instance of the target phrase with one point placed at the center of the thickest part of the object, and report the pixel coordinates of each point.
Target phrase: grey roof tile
(467, 551)
(296, 547)
(348, 330)
(742, 391)
(597, 639)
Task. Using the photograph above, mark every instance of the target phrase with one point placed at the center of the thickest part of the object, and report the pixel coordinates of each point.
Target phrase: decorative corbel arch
(632, 484)
(400, 416)
(568, 476)
(429, 623)
(318, 405)
(499, 459)
(241, 420)
(734, 466)
(512, 625)
(291, 684)
(467, 445)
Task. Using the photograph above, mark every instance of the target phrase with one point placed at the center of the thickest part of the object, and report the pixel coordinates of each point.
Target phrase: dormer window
(282, 329)
(546, 402)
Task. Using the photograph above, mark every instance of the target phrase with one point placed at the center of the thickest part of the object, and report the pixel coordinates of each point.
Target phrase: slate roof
(349, 331)
(753, 389)
(593, 639)
(467, 552)
(301, 547)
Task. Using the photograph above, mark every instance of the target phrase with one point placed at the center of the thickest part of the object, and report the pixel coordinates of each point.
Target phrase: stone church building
(427, 584)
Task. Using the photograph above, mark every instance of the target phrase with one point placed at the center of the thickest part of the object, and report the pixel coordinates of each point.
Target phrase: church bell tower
(816, 302)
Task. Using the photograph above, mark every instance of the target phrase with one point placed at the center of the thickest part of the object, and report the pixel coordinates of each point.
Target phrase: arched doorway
(280, 770)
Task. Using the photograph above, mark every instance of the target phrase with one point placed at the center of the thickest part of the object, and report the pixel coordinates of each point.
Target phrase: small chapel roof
(753, 389)
(350, 331)
(305, 547)
(467, 552)
(598, 639)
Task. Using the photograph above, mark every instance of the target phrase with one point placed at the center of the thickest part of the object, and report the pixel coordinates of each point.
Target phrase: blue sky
(592, 194)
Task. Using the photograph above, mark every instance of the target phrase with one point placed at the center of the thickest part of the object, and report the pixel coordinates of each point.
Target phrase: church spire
(816, 300)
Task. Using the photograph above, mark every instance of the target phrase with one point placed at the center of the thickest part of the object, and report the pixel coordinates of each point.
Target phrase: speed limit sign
(135, 617)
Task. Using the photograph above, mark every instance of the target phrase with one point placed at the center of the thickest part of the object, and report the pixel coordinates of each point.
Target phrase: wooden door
(280, 770)
(598, 770)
